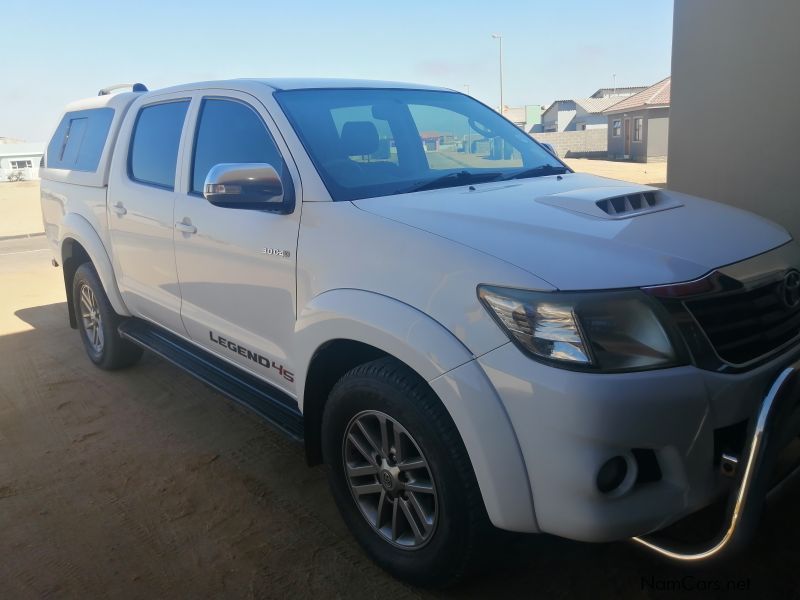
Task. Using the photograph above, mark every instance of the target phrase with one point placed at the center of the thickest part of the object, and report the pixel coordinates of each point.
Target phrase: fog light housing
(612, 474)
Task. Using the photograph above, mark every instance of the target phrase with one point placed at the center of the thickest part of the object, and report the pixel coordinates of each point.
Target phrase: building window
(616, 127)
(637, 129)
(21, 164)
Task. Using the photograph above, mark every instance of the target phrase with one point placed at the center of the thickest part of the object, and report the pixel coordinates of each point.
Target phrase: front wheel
(98, 322)
(400, 474)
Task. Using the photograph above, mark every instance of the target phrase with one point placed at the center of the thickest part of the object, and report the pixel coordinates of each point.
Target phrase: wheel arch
(341, 329)
(329, 363)
(80, 243)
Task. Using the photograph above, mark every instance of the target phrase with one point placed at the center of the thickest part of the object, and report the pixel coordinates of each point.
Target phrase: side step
(269, 402)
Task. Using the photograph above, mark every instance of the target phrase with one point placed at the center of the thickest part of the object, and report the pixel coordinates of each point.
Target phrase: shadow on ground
(146, 483)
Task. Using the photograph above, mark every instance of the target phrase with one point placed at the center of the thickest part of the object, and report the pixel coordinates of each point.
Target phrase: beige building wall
(734, 133)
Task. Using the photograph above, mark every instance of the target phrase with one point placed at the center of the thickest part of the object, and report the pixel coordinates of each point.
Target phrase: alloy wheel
(390, 479)
(92, 321)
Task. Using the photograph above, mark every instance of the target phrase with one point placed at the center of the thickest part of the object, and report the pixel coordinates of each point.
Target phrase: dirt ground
(648, 173)
(144, 483)
(20, 212)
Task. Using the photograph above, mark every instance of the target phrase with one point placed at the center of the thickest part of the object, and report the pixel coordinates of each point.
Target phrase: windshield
(379, 142)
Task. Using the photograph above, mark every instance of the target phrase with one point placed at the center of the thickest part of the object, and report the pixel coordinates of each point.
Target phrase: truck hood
(579, 231)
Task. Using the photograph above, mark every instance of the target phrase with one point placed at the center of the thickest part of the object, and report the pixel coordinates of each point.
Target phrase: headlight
(603, 331)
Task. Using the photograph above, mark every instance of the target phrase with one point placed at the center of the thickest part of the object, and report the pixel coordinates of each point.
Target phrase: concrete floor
(145, 483)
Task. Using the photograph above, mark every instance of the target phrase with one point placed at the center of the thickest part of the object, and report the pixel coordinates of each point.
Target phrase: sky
(55, 51)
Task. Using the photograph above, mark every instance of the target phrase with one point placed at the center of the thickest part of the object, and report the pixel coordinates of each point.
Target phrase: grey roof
(656, 95)
(590, 105)
(619, 91)
(596, 105)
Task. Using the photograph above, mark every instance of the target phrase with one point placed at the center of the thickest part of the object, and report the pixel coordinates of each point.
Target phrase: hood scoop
(621, 202)
(629, 203)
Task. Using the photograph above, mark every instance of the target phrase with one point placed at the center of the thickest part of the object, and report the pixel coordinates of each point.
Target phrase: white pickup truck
(468, 334)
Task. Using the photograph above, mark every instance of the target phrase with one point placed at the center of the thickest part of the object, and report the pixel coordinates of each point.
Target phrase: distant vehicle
(468, 334)
(16, 176)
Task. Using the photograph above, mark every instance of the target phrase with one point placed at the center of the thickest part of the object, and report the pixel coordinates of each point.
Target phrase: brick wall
(590, 143)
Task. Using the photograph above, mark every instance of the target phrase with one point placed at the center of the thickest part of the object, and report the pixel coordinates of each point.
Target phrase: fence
(589, 143)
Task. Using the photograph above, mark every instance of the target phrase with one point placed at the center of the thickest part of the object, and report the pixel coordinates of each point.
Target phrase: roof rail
(135, 87)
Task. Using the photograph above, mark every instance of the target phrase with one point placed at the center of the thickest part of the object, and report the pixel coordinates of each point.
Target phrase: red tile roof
(655, 95)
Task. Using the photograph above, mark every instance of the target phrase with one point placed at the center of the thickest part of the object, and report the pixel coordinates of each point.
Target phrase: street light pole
(499, 38)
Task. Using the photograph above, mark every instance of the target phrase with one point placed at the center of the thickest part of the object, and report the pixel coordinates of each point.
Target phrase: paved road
(20, 211)
(145, 483)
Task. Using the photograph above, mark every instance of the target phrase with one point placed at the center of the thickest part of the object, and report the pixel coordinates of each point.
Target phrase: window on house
(637, 129)
(21, 164)
(616, 127)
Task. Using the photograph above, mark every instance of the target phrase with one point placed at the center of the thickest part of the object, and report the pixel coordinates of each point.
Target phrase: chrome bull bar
(745, 503)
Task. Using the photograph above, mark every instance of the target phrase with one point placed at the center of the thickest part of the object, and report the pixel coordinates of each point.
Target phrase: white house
(20, 160)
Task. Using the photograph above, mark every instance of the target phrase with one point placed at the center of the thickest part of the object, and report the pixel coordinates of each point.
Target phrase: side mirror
(256, 186)
(549, 148)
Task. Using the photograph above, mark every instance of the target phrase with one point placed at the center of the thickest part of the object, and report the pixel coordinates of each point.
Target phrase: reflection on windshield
(378, 142)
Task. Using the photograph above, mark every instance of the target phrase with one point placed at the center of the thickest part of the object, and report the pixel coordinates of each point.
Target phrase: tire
(386, 391)
(97, 323)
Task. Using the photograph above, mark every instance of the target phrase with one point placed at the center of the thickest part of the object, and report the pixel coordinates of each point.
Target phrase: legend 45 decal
(254, 356)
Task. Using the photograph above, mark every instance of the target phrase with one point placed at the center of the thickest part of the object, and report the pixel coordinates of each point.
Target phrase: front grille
(746, 325)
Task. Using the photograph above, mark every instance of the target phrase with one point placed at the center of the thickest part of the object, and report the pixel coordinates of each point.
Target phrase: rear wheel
(400, 475)
(98, 322)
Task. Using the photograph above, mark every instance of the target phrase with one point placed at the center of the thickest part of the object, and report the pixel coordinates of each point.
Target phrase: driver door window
(230, 132)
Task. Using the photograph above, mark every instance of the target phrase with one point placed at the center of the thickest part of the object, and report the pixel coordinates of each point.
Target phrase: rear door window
(156, 138)
(79, 140)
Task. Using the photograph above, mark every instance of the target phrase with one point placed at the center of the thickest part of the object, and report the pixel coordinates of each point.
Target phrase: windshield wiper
(539, 171)
(454, 179)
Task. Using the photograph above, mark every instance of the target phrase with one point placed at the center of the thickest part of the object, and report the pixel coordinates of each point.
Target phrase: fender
(76, 227)
(435, 354)
(387, 324)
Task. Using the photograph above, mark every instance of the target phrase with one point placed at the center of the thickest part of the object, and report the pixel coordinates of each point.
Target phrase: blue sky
(56, 51)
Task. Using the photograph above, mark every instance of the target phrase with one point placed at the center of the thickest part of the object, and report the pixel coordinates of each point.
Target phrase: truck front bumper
(668, 427)
(771, 429)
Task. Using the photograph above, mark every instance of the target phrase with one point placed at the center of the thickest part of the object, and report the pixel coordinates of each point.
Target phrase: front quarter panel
(413, 295)
(441, 359)
(384, 323)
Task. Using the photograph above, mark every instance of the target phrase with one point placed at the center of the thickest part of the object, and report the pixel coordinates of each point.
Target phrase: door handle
(185, 227)
(119, 208)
